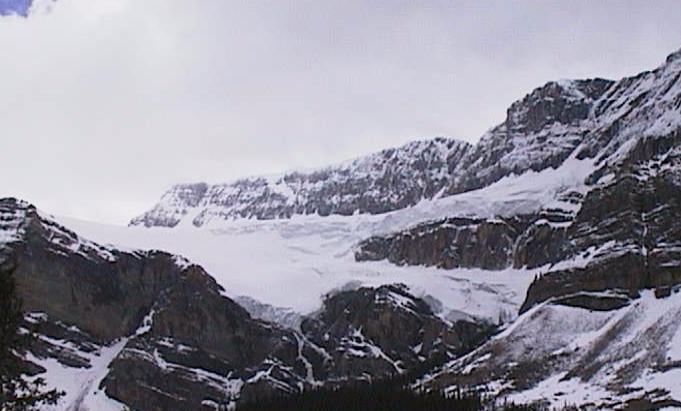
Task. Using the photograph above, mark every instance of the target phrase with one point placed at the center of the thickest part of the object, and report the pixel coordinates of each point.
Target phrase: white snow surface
(634, 348)
(293, 263)
(81, 385)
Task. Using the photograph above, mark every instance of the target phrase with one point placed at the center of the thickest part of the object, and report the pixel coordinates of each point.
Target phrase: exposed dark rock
(662, 292)
(186, 342)
(493, 244)
(389, 326)
(450, 243)
(627, 231)
(597, 302)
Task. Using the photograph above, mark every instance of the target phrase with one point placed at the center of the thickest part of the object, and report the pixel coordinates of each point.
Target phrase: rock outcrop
(599, 324)
(492, 244)
(627, 235)
(385, 331)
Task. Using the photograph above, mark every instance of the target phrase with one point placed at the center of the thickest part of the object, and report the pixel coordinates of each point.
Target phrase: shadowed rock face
(492, 244)
(385, 329)
(451, 243)
(628, 232)
(184, 341)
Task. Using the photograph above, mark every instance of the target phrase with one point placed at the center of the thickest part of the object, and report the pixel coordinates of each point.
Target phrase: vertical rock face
(529, 241)
(451, 243)
(627, 235)
(199, 346)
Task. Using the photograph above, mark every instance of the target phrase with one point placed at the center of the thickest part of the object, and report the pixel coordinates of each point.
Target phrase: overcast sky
(106, 103)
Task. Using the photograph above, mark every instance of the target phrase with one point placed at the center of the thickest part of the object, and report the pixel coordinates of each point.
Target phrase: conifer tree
(17, 392)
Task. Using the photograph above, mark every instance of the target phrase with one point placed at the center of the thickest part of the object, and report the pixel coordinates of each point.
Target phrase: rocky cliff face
(152, 331)
(179, 343)
(491, 244)
(387, 329)
(599, 325)
(540, 131)
(630, 129)
(626, 235)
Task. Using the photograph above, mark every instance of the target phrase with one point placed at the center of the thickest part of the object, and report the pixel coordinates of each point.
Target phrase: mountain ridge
(541, 130)
(456, 163)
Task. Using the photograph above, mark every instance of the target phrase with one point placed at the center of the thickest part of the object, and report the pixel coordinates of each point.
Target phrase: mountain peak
(673, 57)
(563, 101)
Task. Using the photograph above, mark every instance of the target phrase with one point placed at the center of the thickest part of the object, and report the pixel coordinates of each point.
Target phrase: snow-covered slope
(568, 355)
(540, 132)
(384, 181)
(599, 326)
(579, 119)
(292, 264)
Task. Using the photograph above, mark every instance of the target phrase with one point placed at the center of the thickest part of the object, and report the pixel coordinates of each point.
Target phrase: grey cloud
(104, 104)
